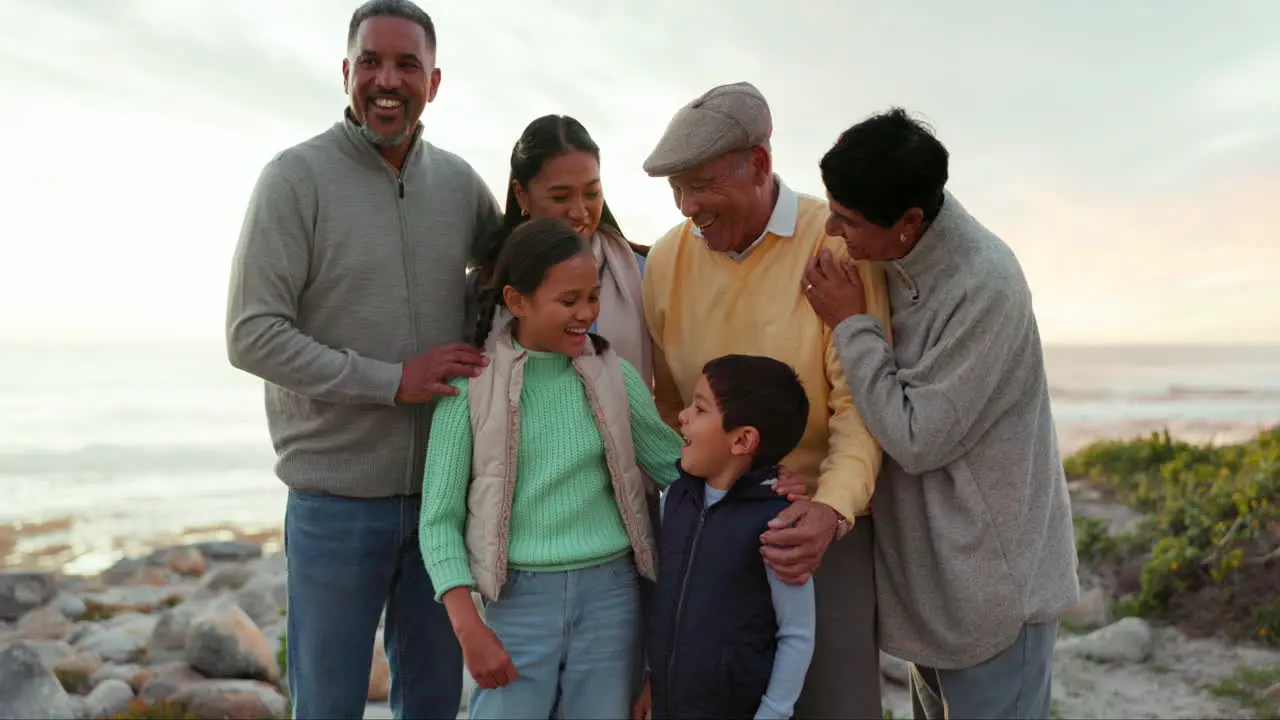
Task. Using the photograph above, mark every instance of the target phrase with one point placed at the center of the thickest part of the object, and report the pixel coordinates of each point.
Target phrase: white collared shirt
(781, 223)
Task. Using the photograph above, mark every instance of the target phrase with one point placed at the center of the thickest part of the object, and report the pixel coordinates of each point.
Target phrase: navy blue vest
(712, 629)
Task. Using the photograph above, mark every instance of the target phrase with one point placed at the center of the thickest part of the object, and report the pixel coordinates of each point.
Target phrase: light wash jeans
(1016, 683)
(348, 558)
(574, 638)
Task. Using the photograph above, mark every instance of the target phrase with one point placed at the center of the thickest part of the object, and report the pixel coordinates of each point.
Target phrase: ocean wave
(1169, 393)
(119, 459)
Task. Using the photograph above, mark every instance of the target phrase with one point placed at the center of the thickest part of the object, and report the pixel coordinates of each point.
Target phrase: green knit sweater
(563, 515)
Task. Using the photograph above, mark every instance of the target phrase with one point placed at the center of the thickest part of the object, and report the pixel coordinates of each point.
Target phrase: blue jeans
(349, 558)
(1016, 683)
(574, 638)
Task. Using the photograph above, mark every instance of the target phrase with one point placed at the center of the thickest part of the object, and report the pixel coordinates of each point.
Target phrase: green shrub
(1212, 519)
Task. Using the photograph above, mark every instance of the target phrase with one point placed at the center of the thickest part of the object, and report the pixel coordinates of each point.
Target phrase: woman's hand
(485, 658)
(834, 288)
(482, 651)
(791, 485)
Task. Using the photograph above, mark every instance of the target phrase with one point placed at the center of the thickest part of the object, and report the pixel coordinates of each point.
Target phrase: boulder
(1128, 640)
(29, 688)
(76, 670)
(71, 606)
(225, 643)
(108, 699)
(22, 592)
(163, 682)
(112, 671)
(229, 551)
(44, 623)
(232, 699)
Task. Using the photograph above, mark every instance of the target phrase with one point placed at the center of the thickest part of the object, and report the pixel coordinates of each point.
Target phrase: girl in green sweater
(534, 496)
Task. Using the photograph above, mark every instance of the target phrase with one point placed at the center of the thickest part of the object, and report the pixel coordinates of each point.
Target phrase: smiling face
(710, 451)
(556, 316)
(390, 75)
(729, 198)
(867, 241)
(567, 186)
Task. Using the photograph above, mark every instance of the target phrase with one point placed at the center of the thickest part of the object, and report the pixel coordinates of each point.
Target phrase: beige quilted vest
(495, 425)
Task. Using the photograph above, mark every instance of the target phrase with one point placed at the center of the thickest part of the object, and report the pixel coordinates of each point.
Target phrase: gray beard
(383, 140)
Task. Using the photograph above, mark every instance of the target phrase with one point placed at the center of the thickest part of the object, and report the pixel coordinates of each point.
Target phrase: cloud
(1128, 152)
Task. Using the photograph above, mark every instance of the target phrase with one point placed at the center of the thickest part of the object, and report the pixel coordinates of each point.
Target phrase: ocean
(108, 450)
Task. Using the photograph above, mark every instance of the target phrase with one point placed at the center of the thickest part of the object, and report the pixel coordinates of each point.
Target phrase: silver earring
(902, 238)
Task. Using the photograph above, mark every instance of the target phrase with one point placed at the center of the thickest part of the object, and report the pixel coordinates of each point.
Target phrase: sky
(1128, 152)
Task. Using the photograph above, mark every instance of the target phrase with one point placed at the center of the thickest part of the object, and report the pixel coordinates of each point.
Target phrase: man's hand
(797, 540)
(834, 288)
(791, 485)
(644, 702)
(426, 377)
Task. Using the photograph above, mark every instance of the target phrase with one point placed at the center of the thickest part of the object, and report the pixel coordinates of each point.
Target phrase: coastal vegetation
(1204, 552)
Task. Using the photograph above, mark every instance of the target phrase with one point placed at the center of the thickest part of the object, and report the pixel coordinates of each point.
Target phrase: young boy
(727, 638)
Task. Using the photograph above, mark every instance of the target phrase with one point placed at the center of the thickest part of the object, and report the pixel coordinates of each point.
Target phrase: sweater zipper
(406, 255)
(675, 626)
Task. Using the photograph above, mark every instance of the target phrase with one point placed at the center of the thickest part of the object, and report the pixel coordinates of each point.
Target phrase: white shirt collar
(781, 223)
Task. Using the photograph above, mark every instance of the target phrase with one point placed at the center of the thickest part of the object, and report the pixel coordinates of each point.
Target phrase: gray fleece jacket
(972, 517)
(344, 270)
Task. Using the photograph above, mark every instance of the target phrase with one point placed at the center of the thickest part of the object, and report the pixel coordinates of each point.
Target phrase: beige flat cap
(721, 120)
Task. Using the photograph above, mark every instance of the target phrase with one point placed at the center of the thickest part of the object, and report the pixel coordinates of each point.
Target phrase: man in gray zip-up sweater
(975, 554)
(347, 297)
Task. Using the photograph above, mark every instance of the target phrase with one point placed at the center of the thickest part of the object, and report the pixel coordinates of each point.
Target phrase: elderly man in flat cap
(728, 279)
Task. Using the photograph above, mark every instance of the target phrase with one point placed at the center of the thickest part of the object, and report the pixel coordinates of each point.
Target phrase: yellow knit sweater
(700, 304)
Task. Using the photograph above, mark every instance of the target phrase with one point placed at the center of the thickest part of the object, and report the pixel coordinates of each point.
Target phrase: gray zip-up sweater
(343, 271)
(972, 517)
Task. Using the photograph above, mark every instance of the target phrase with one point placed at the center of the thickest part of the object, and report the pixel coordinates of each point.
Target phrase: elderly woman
(975, 559)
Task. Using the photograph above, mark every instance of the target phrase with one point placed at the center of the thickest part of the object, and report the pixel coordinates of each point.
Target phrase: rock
(895, 669)
(379, 673)
(263, 599)
(229, 551)
(232, 699)
(50, 652)
(168, 640)
(116, 644)
(44, 623)
(183, 560)
(1091, 612)
(22, 592)
(1128, 640)
(275, 564)
(111, 671)
(80, 708)
(165, 681)
(108, 699)
(69, 605)
(225, 643)
(76, 670)
(123, 569)
(28, 688)
(227, 577)
(140, 598)
(148, 576)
